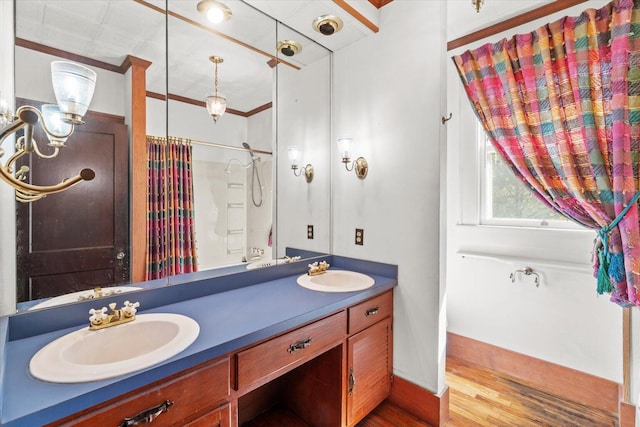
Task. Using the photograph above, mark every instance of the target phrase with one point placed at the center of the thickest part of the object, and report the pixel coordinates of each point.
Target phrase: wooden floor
(477, 397)
(481, 397)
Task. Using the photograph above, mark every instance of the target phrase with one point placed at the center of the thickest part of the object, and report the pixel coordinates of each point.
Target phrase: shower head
(245, 145)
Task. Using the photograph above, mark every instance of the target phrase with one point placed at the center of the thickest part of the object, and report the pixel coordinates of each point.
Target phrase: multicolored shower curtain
(171, 246)
(562, 106)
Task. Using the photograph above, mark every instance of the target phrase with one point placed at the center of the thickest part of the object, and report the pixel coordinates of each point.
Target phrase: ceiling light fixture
(289, 47)
(477, 4)
(216, 103)
(73, 85)
(215, 11)
(327, 24)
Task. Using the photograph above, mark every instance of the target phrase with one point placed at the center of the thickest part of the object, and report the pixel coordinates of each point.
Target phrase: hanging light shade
(477, 4)
(216, 103)
(73, 85)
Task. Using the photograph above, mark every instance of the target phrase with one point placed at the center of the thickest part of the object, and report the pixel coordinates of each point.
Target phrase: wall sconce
(216, 103)
(73, 85)
(360, 165)
(215, 11)
(294, 158)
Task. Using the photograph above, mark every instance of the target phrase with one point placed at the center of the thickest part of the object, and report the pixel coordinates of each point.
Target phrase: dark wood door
(77, 239)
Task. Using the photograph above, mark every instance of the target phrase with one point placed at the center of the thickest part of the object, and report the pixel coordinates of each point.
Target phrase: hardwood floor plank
(483, 397)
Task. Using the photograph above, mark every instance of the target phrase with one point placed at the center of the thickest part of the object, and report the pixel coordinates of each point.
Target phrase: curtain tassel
(611, 266)
(604, 282)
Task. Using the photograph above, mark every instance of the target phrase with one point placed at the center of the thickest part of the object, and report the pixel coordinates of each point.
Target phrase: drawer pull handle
(372, 311)
(352, 381)
(300, 345)
(147, 415)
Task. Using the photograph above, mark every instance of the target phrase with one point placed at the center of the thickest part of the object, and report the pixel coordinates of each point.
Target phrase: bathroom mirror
(273, 101)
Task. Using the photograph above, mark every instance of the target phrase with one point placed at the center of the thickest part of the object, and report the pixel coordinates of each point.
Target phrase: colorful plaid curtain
(170, 216)
(561, 105)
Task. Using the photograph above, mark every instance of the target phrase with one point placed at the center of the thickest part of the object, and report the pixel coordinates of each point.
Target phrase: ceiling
(109, 31)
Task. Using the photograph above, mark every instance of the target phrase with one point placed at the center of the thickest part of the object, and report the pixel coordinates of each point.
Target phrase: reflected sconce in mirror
(294, 158)
(73, 85)
(215, 11)
(360, 165)
(216, 103)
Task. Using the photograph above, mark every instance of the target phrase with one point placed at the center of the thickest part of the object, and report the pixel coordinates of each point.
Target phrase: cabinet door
(369, 370)
(220, 417)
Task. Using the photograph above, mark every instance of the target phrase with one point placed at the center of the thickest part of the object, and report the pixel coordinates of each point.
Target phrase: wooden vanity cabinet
(330, 372)
(198, 397)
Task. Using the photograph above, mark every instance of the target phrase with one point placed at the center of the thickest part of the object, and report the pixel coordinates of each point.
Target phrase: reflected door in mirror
(77, 239)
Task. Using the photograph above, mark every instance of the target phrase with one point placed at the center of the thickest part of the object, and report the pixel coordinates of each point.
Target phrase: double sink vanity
(262, 342)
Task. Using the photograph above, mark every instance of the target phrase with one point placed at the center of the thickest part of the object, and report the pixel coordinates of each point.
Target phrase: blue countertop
(237, 315)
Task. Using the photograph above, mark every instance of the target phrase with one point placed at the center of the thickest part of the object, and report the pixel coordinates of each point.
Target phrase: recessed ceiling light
(327, 24)
(289, 47)
(214, 10)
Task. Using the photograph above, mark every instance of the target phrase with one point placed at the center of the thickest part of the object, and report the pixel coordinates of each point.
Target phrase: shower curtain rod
(218, 145)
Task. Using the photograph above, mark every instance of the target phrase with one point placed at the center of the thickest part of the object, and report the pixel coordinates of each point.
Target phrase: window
(505, 200)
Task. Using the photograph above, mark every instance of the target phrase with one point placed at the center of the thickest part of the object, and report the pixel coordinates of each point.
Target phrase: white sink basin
(336, 281)
(83, 296)
(85, 355)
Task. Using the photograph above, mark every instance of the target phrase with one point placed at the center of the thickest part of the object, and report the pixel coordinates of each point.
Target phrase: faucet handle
(97, 316)
(129, 309)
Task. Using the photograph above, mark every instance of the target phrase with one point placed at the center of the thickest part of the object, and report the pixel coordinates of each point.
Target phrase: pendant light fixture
(477, 4)
(216, 103)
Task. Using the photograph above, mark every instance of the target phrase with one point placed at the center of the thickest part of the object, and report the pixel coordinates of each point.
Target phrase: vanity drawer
(272, 358)
(193, 394)
(369, 312)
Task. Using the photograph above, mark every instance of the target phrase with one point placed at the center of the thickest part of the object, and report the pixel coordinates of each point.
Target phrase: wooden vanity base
(330, 372)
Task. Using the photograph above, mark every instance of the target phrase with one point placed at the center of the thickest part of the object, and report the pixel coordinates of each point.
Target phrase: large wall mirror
(247, 208)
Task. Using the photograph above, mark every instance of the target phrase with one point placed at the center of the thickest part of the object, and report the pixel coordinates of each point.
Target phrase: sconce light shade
(345, 145)
(294, 156)
(59, 130)
(216, 105)
(73, 85)
(215, 11)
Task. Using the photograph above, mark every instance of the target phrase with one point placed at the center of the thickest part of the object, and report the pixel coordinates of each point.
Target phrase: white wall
(387, 96)
(563, 321)
(304, 119)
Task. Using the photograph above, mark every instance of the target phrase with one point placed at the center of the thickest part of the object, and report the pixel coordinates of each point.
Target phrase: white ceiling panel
(108, 31)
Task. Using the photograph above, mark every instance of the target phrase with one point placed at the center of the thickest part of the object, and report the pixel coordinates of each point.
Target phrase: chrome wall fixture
(73, 85)
(360, 165)
(215, 11)
(527, 271)
(216, 103)
(294, 158)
